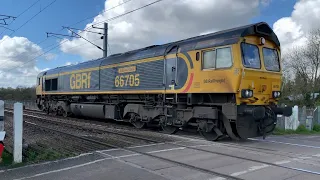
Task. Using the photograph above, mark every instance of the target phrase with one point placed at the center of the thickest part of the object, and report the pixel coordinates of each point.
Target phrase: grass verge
(300, 130)
(31, 156)
(6, 158)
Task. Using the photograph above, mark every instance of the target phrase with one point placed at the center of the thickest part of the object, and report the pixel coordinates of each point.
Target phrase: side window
(38, 81)
(219, 58)
(54, 84)
(47, 85)
(224, 58)
(209, 60)
(51, 84)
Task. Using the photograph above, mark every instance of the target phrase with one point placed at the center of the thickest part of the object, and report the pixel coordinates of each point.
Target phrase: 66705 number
(127, 80)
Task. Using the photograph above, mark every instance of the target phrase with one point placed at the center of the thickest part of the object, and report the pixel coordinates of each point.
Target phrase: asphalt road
(278, 157)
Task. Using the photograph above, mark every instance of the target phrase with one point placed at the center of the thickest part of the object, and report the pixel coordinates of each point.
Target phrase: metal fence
(300, 116)
(27, 104)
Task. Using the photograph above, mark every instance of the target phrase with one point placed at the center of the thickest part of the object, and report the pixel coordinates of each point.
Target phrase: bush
(302, 129)
(316, 128)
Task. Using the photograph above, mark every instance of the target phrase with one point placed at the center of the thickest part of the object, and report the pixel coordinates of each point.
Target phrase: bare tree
(312, 53)
(302, 65)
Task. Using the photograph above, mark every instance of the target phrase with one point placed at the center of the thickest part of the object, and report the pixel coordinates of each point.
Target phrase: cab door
(43, 79)
(39, 86)
(171, 68)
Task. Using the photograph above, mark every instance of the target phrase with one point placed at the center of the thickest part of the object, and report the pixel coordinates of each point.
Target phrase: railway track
(87, 143)
(89, 127)
(97, 127)
(181, 145)
(109, 145)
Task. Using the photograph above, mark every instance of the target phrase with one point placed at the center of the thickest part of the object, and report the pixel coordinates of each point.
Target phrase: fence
(29, 104)
(300, 115)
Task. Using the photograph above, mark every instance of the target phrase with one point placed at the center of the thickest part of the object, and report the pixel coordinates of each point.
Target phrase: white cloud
(17, 66)
(50, 56)
(162, 22)
(304, 18)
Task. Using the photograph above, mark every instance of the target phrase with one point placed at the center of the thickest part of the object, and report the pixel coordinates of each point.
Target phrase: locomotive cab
(259, 86)
(39, 89)
(261, 72)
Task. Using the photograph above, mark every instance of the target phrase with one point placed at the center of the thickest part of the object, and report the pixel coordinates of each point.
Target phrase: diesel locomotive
(222, 84)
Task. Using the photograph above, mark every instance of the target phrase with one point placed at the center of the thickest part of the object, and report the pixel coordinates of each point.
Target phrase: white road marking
(118, 157)
(282, 162)
(305, 157)
(252, 168)
(107, 150)
(187, 140)
(295, 159)
(124, 156)
(79, 165)
(143, 168)
(149, 152)
(217, 178)
(45, 163)
(63, 169)
(146, 145)
(279, 142)
(238, 173)
(165, 150)
(202, 145)
(316, 155)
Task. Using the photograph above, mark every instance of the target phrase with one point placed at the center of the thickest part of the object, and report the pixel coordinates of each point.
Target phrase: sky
(27, 51)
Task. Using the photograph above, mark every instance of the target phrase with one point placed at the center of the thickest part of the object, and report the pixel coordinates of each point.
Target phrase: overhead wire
(42, 41)
(126, 13)
(101, 12)
(95, 15)
(41, 10)
(44, 54)
(108, 20)
(22, 13)
(129, 12)
(30, 19)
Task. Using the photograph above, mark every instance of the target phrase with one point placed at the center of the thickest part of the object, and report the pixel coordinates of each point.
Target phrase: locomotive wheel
(136, 121)
(209, 131)
(55, 112)
(65, 113)
(168, 129)
(59, 111)
(268, 124)
(210, 136)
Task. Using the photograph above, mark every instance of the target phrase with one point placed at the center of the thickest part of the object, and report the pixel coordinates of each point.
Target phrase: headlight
(276, 94)
(246, 93)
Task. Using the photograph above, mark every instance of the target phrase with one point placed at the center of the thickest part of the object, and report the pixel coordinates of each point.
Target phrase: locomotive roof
(220, 38)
